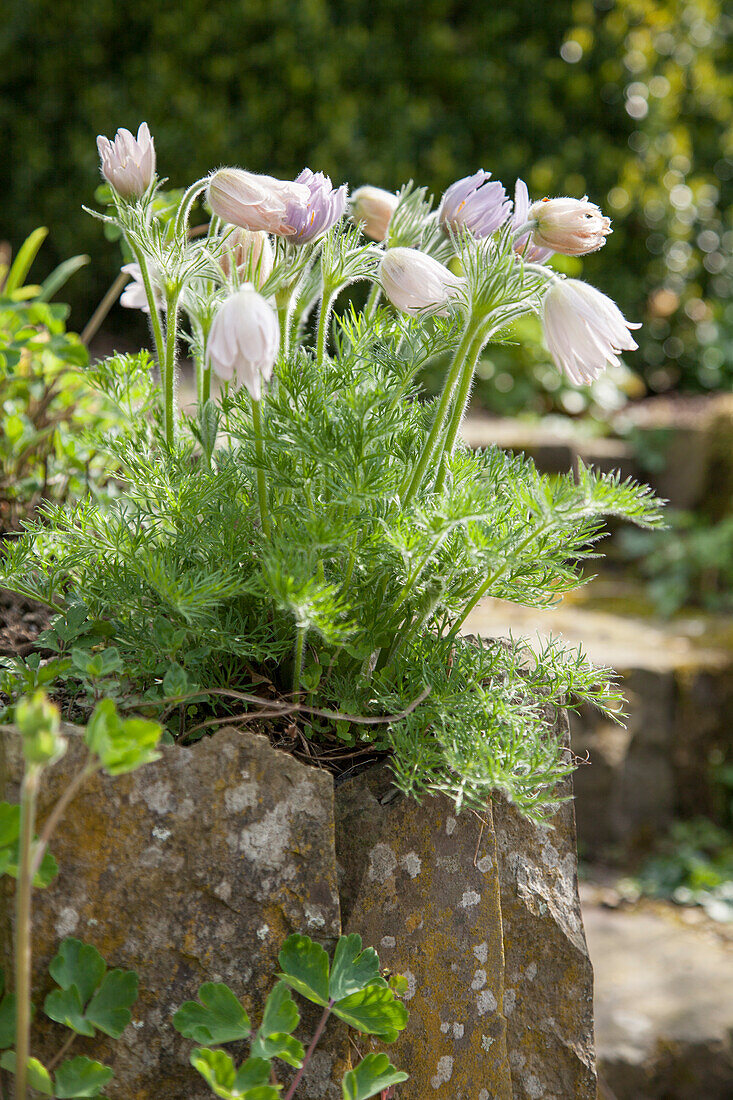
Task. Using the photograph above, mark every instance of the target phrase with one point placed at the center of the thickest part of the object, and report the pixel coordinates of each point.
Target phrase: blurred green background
(627, 100)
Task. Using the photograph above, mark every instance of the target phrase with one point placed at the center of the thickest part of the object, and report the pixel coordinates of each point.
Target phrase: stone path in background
(663, 1001)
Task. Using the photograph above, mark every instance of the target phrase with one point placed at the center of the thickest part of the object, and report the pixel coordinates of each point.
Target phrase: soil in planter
(21, 621)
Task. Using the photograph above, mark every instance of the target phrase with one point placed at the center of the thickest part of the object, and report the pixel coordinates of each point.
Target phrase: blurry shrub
(624, 99)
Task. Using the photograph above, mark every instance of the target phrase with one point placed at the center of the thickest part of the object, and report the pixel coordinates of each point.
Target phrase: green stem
(153, 307)
(260, 452)
(372, 301)
(298, 659)
(184, 209)
(28, 796)
(463, 396)
(323, 318)
(284, 302)
(205, 385)
(169, 375)
(441, 413)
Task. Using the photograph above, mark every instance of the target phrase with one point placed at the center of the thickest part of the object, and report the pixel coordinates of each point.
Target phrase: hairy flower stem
(184, 209)
(28, 797)
(284, 302)
(169, 375)
(298, 658)
(441, 413)
(323, 319)
(309, 1053)
(152, 306)
(372, 301)
(463, 396)
(260, 452)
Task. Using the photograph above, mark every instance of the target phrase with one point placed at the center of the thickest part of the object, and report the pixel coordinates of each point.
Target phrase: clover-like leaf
(375, 1011)
(7, 1021)
(10, 848)
(247, 1083)
(121, 745)
(219, 1018)
(373, 1075)
(38, 1076)
(274, 1037)
(305, 968)
(353, 969)
(9, 824)
(80, 1076)
(66, 1007)
(109, 1008)
(78, 964)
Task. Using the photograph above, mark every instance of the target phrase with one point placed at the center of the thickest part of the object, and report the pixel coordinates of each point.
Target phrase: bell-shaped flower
(128, 163)
(373, 207)
(570, 226)
(250, 253)
(524, 244)
(244, 340)
(258, 203)
(134, 296)
(584, 329)
(313, 216)
(416, 283)
(475, 203)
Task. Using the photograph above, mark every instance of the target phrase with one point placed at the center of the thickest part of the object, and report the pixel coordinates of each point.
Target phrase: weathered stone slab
(422, 886)
(548, 981)
(192, 869)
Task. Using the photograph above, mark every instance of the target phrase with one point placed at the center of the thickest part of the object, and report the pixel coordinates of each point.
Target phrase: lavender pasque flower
(416, 283)
(257, 203)
(584, 329)
(128, 163)
(134, 295)
(573, 227)
(321, 208)
(373, 207)
(244, 340)
(475, 204)
(525, 244)
(250, 252)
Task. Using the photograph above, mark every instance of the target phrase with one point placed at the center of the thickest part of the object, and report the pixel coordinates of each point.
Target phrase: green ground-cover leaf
(373, 1075)
(218, 1018)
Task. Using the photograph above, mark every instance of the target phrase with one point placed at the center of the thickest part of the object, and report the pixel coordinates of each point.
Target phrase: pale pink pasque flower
(524, 244)
(584, 329)
(322, 208)
(257, 203)
(373, 207)
(134, 296)
(573, 227)
(476, 204)
(416, 283)
(244, 340)
(250, 252)
(128, 163)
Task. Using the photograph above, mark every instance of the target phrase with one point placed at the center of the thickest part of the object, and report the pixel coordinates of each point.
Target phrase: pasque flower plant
(315, 525)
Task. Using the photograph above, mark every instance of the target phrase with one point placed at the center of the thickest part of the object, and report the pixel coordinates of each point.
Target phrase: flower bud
(128, 163)
(570, 226)
(254, 202)
(322, 208)
(244, 340)
(584, 329)
(524, 244)
(252, 256)
(38, 721)
(373, 207)
(415, 283)
(474, 204)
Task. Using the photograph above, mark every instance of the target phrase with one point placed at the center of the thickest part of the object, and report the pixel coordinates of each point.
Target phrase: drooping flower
(134, 296)
(321, 209)
(570, 226)
(415, 283)
(244, 340)
(475, 204)
(584, 329)
(128, 163)
(254, 202)
(373, 207)
(250, 252)
(525, 244)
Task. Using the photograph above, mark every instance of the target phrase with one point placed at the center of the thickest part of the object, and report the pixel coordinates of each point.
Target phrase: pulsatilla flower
(321, 209)
(584, 329)
(128, 163)
(416, 283)
(525, 244)
(134, 295)
(244, 340)
(570, 226)
(373, 207)
(251, 254)
(475, 203)
(258, 203)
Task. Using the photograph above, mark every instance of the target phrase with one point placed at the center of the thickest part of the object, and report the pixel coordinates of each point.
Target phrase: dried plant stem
(94, 323)
(28, 798)
(309, 1053)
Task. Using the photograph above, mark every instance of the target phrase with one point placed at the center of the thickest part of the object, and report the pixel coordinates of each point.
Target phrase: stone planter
(197, 867)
